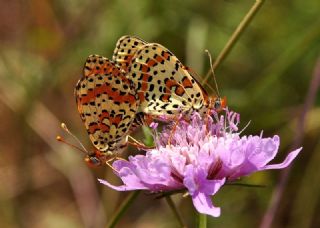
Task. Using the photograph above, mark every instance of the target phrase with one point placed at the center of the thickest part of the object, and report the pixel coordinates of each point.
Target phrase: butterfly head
(97, 158)
(102, 155)
(217, 103)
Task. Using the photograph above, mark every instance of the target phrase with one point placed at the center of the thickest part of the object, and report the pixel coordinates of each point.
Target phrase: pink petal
(287, 161)
(121, 187)
(129, 178)
(204, 205)
(261, 151)
(153, 125)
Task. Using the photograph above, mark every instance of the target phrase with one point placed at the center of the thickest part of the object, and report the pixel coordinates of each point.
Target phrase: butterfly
(165, 87)
(107, 104)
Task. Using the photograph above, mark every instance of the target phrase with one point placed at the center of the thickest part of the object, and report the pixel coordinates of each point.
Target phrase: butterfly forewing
(125, 49)
(164, 86)
(106, 102)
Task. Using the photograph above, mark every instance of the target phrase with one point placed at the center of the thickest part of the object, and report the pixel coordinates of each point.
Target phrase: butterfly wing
(106, 102)
(126, 47)
(163, 84)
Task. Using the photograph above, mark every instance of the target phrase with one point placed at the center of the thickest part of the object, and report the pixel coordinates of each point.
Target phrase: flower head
(199, 155)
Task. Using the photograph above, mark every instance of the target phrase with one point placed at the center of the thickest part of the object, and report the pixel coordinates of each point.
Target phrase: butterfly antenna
(212, 71)
(82, 148)
(197, 77)
(60, 139)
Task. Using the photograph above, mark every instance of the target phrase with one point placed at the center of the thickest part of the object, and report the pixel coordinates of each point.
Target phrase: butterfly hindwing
(106, 102)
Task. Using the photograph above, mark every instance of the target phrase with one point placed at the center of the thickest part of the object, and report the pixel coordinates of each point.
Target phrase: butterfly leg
(173, 130)
(176, 122)
(138, 144)
(207, 121)
(111, 159)
(108, 164)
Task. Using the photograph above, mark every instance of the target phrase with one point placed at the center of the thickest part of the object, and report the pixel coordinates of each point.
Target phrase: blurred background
(266, 78)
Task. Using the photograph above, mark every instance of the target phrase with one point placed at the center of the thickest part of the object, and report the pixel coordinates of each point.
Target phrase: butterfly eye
(217, 104)
(92, 161)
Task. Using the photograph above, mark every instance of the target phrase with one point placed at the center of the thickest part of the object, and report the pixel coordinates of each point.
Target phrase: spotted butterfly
(165, 87)
(107, 104)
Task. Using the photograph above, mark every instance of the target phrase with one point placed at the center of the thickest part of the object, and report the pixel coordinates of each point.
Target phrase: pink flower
(202, 156)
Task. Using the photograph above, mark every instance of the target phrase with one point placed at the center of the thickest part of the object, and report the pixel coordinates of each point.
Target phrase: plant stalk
(175, 211)
(202, 221)
(122, 209)
(235, 36)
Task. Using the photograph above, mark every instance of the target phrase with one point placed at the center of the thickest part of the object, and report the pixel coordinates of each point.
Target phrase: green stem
(235, 36)
(175, 211)
(202, 221)
(122, 209)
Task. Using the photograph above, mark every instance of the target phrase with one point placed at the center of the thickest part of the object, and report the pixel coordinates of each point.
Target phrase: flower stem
(123, 207)
(202, 220)
(235, 36)
(175, 211)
